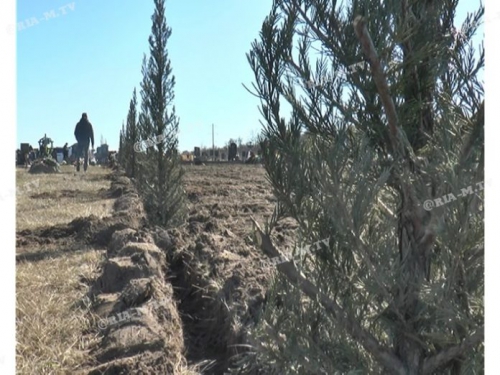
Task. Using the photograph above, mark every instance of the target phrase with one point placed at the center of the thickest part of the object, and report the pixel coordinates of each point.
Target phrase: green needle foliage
(355, 161)
(130, 137)
(161, 172)
(150, 140)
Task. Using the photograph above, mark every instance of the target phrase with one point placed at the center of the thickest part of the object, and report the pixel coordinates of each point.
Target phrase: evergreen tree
(121, 145)
(132, 137)
(146, 129)
(161, 172)
(397, 284)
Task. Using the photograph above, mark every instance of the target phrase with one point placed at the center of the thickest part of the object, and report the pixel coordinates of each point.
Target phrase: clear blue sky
(88, 59)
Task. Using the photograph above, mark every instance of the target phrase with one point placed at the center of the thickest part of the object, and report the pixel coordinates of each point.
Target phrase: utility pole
(213, 144)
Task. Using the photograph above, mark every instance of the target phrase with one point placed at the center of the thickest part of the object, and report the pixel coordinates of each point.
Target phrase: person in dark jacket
(84, 134)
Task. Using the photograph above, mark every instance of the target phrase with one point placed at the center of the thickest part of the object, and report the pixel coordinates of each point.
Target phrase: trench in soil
(206, 321)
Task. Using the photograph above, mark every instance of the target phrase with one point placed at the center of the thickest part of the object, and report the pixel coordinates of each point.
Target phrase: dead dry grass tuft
(50, 320)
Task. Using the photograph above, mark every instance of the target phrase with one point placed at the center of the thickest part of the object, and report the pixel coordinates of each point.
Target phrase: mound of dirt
(120, 238)
(134, 261)
(121, 185)
(141, 329)
(45, 165)
(91, 230)
(80, 229)
(139, 321)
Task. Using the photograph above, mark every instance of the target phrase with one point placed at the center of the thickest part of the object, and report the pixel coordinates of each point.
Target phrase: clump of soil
(121, 185)
(45, 165)
(140, 326)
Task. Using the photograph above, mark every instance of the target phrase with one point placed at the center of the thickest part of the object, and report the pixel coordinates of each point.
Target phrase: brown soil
(218, 280)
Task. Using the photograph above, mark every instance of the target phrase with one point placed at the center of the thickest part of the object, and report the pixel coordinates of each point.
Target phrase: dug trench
(177, 301)
(218, 283)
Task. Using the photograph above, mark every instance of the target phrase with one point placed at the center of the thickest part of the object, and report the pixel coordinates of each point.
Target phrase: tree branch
(477, 132)
(368, 341)
(434, 362)
(379, 78)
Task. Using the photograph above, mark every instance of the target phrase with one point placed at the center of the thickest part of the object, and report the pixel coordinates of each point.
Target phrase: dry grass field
(50, 277)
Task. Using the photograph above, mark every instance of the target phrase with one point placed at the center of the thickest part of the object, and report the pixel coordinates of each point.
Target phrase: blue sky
(88, 59)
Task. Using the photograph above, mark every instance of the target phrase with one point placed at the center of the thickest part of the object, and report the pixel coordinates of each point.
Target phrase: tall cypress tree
(145, 125)
(121, 144)
(398, 287)
(132, 137)
(161, 172)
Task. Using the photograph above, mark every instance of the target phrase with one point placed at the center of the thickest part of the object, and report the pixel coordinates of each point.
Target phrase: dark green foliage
(160, 170)
(148, 143)
(132, 136)
(128, 146)
(121, 145)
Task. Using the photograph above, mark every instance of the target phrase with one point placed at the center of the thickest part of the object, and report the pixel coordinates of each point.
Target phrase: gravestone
(233, 151)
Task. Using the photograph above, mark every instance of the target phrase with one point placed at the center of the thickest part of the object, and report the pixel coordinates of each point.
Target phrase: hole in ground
(206, 320)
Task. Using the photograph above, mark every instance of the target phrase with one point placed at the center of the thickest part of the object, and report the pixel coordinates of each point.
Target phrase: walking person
(84, 134)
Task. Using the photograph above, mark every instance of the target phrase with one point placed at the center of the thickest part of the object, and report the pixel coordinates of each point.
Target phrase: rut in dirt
(217, 282)
(206, 323)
